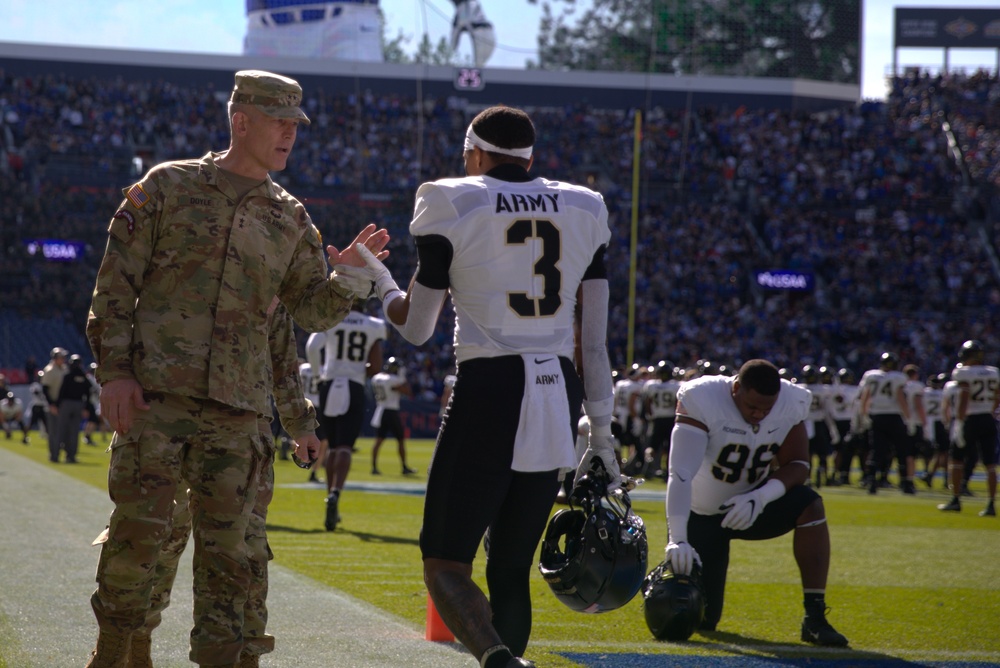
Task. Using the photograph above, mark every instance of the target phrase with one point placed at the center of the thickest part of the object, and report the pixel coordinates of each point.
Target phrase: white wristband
(391, 296)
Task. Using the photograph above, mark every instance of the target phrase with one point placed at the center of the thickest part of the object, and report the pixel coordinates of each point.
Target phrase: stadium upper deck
(529, 88)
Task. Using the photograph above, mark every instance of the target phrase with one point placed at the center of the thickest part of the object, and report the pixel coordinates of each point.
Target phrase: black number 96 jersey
(739, 455)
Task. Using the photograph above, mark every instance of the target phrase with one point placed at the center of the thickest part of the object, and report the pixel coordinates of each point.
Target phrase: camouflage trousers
(255, 640)
(217, 452)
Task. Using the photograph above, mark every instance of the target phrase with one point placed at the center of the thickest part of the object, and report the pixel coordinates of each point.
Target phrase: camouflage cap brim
(286, 112)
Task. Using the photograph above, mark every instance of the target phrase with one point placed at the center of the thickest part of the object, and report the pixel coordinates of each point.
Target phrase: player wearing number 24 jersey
(739, 456)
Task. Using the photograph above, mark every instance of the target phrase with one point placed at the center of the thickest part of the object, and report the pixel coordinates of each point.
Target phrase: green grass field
(907, 582)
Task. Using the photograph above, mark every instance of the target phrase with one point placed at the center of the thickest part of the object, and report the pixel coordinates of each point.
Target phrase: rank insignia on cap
(137, 196)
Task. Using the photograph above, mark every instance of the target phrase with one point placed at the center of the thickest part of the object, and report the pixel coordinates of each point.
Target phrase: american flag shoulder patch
(137, 196)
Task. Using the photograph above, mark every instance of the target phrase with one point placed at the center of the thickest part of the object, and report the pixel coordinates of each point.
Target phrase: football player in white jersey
(660, 398)
(739, 458)
(913, 390)
(517, 254)
(12, 416)
(310, 384)
(844, 408)
(885, 410)
(628, 411)
(351, 352)
(820, 427)
(974, 430)
(389, 386)
(934, 427)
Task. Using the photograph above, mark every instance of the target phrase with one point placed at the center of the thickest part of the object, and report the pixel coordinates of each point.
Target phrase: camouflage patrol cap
(274, 94)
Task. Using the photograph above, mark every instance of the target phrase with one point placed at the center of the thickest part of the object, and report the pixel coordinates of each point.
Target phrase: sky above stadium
(218, 26)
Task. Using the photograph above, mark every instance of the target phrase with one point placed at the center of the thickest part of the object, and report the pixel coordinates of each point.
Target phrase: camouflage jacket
(298, 415)
(182, 294)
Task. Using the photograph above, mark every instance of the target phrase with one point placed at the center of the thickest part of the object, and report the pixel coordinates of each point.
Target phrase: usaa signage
(785, 279)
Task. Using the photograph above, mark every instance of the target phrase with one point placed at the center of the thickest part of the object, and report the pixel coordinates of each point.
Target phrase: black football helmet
(809, 375)
(971, 352)
(604, 560)
(665, 370)
(845, 376)
(826, 375)
(888, 361)
(392, 365)
(674, 605)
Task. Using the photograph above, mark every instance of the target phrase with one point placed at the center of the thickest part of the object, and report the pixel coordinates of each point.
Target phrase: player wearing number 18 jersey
(739, 456)
(346, 356)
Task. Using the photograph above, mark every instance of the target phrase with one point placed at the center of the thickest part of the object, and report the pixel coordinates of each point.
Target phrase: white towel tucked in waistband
(338, 398)
(544, 438)
(377, 416)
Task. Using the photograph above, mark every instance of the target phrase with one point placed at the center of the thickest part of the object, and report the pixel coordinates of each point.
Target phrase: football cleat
(953, 506)
(332, 516)
(817, 630)
(988, 511)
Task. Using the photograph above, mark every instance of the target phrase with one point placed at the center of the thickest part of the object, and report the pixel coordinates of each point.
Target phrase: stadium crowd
(868, 199)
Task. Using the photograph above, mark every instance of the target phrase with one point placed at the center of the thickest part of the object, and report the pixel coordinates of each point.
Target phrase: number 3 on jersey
(520, 232)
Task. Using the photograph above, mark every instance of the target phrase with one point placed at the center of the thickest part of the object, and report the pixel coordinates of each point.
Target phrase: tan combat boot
(140, 651)
(249, 661)
(111, 651)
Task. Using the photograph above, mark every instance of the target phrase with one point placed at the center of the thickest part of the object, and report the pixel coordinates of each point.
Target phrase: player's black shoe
(332, 516)
(988, 511)
(408, 471)
(953, 506)
(817, 630)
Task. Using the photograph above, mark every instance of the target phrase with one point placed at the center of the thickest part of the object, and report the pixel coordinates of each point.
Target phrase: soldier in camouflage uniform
(196, 253)
(298, 417)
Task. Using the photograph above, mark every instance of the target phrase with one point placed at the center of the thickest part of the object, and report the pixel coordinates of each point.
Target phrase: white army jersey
(983, 383)
(911, 390)
(519, 252)
(933, 407)
(382, 386)
(949, 399)
(346, 347)
(844, 401)
(310, 383)
(624, 390)
(738, 457)
(884, 386)
(10, 410)
(819, 406)
(661, 396)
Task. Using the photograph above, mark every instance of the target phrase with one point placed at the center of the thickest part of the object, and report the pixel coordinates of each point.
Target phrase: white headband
(472, 139)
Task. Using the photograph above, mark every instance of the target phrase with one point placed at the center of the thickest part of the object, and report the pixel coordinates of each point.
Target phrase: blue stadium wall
(535, 88)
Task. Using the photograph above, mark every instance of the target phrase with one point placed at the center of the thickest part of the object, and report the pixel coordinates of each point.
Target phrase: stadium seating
(869, 200)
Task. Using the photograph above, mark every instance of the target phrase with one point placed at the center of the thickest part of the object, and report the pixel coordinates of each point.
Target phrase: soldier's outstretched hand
(374, 240)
